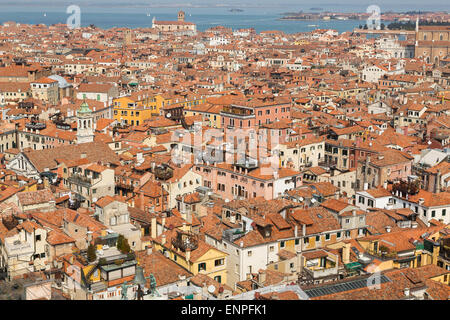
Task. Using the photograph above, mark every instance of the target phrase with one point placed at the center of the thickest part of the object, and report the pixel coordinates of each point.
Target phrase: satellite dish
(168, 115)
(211, 289)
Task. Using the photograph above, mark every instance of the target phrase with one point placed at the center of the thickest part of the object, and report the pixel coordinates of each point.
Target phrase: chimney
(149, 250)
(141, 200)
(438, 181)
(296, 231)
(188, 255)
(304, 230)
(262, 277)
(346, 253)
(385, 184)
(153, 228)
(354, 213)
(406, 292)
(388, 229)
(241, 244)
(163, 239)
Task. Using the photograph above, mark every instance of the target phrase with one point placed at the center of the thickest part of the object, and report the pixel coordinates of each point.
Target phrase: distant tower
(181, 16)
(128, 37)
(85, 124)
(153, 22)
(417, 33)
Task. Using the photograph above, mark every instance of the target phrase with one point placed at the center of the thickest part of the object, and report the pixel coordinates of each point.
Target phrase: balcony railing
(35, 125)
(322, 272)
(79, 179)
(327, 163)
(445, 252)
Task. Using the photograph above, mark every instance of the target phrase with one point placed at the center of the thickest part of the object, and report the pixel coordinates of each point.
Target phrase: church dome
(84, 108)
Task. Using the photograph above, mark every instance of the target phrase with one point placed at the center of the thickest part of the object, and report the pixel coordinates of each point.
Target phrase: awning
(353, 265)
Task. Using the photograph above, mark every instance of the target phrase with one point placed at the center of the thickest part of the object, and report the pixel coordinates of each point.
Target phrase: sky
(287, 5)
(444, 4)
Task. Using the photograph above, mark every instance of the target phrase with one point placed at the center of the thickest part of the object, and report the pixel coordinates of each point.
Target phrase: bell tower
(85, 124)
(181, 16)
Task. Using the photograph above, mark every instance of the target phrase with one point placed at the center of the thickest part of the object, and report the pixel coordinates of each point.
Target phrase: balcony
(444, 252)
(185, 240)
(35, 125)
(124, 186)
(240, 112)
(327, 163)
(321, 272)
(233, 234)
(80, 180)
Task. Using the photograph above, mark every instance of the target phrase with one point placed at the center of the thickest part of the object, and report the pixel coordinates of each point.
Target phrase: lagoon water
(260, 21)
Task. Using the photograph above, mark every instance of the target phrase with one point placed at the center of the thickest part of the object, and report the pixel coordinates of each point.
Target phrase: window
(38, 237)
(338, 235)
(317, 238)
(271, 248)
(218, 279)
(433, 213)
(282, 244)
(347, 220)
(219, 262)
(201, 266)
(305, 240)
(297, 241)
(327, 236)
(249, 253)
(444, 211)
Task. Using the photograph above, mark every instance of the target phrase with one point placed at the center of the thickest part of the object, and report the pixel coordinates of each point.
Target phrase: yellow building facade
(204, 259)
(131, 112)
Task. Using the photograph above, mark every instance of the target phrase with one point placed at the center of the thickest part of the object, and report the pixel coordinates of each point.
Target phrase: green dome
(84, 108)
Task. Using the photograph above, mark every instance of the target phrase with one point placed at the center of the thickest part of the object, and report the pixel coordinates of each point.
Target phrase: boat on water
(312, 25)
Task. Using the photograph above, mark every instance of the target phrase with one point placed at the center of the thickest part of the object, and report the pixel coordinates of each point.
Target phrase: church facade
(180, 26)
(432, 43)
